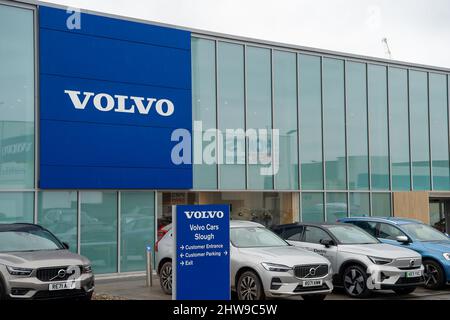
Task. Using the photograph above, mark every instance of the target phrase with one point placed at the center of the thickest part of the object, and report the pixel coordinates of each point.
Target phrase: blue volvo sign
(202, 262)
(111, 94)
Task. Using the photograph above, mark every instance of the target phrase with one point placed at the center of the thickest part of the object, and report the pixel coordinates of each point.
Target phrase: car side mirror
(402, 239)
(66, 245)
(327, 242)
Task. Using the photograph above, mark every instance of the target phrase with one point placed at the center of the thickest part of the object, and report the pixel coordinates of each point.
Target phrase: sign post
(202, 255)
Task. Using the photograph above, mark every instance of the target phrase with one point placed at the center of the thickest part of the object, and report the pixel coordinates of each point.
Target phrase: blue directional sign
(202, 239)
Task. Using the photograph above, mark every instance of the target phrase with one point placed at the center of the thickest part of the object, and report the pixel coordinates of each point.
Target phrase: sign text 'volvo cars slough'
(202, 255)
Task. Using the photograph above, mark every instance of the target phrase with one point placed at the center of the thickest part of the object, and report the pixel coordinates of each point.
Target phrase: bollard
(149, 267)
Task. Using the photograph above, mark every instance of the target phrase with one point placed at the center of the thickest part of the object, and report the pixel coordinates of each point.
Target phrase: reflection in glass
(204, 106)
(231, 113)
(381, 204)
(16, 207)
(137, 227)
(259, 113)
(418, 108)
(334, 124)
(312, 207)
(359, 205)
(439, 131)
(16, 98)
(99, 229)
(310, 119)
(357, 148)
(399, 129)
(58, 213)
(336, 206)
(378, 124)
(285, 118)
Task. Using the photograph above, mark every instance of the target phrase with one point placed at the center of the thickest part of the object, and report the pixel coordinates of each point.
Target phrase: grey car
(34, 264)
(361, 262)
(262, 265)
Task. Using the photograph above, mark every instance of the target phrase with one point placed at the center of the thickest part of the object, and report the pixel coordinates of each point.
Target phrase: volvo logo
(412, 262)
(60, 274)
(312, 272)
(120, 103)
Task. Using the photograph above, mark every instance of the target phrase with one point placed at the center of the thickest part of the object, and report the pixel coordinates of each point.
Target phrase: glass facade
(351, 132)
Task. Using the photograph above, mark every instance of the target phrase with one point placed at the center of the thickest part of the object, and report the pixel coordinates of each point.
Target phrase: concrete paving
(134, 288)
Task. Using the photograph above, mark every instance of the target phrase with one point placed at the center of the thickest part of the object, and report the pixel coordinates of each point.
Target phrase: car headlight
(446, 255)
(19, 271)
(378, 260)
(275, 267)
(87, 268)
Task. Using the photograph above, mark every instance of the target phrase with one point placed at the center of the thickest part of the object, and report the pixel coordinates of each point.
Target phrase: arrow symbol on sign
(182, 247)
(182, 263)
(226, 252)
(181, 255)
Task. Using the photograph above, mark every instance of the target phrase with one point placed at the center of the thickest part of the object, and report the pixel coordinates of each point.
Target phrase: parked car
(361, 262)
(262, 265)
(34, 264)
(433, 245)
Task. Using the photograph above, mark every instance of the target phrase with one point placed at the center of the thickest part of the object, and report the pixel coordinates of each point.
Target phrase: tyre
(354, 279)
(434, 275)
(403, 291)
(314, 297)
(165, 277)
(249, 287)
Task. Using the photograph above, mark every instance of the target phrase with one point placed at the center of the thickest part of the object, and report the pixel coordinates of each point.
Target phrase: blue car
(433, 245)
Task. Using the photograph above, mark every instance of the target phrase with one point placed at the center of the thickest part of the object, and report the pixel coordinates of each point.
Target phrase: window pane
(16, 98)
(399, 129)
(16, 207)
(315, 235)
(381, 204)
(137, 227)
(418, 106)
(58, 213)
(285, 118)
(439, 131)
(336, 206)
(357, 149)
(387, 231)
(378, 124)
(259, 114)
(334, 123)
(359, 204)
(310, 122)
(231, 114)
(204, 108)
(99, 229)
(312, 207)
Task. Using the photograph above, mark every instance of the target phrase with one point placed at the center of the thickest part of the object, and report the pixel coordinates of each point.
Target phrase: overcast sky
(417, 30)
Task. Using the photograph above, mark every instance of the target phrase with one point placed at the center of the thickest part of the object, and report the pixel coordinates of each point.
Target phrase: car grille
(51, 274)
(410, 280)
(300, 288)
(311, 271)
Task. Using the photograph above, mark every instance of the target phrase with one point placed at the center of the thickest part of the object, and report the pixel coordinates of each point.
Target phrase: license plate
(312, 283)
(414, 274)
(69, 285)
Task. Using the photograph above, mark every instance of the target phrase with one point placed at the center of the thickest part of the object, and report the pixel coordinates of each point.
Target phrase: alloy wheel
(248, 288)
(431, 275)
(354, 282)
(166, 277)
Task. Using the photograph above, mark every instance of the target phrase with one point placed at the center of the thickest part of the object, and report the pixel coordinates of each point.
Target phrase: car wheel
(249, 287)
(402, 291)
(354, 279)
(165, 277)
(314, 297)
(434, 275)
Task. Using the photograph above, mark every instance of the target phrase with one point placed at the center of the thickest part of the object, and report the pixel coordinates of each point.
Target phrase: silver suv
(262, 265)
(34, 264)
(361, 262)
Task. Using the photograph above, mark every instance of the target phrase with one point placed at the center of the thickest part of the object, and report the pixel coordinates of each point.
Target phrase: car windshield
(254, 237)
(348, 234)
(29, 240)
(422, 232)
